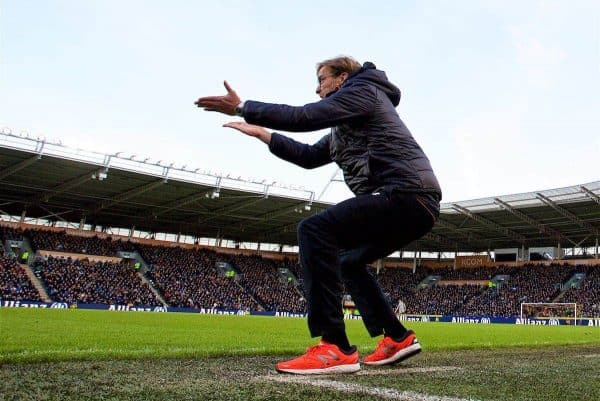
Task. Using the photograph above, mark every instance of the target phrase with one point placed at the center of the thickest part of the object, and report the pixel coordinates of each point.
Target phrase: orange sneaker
(323, 358)
(389, 351)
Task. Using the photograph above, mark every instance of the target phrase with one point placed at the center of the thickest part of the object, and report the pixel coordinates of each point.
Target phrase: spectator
(73, 281)
(14, 283)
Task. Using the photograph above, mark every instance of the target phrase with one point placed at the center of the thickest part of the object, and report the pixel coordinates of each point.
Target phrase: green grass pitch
(82, 354)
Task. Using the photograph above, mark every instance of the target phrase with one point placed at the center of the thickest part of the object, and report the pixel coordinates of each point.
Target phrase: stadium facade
(48, 183)
(103, 214)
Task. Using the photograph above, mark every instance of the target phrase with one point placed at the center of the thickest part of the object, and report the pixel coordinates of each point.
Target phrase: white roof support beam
(232, 208)
(457, 230)
(278, 213)
(565, 213)
(592, 195)
(67, 185)
(129, 194)
(490, 224)
(180, 203)
(541, 227)
(445, 224)
(262, 219)
(56, 215)
(270, 216)
(441, 240)
(7, 172)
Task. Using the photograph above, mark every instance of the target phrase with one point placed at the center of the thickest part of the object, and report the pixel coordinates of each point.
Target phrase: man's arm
(301, 154)
(343, 106)
(346, 104)
(251, 130)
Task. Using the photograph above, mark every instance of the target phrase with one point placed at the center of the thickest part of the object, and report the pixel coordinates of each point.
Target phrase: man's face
(328, 81)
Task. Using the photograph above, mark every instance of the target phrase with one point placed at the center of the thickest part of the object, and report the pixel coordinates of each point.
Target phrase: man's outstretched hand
(251, 130)
(223, 104)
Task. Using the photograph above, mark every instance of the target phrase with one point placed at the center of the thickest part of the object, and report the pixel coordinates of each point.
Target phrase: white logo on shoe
(331, 356)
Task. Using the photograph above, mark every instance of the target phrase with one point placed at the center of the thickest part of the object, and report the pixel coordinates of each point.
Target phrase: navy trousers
(337, 244)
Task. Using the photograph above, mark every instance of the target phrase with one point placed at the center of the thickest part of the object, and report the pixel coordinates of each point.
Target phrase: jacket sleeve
(301, 154)
(344, 105)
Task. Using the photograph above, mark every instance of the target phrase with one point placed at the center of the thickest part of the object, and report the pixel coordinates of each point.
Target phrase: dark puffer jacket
(368, 140)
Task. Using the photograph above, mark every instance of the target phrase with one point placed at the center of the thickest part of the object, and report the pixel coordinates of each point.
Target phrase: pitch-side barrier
(590, 322)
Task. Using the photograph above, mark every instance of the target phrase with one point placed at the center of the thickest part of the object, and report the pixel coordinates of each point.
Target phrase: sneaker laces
(382, 345)
(314, 349)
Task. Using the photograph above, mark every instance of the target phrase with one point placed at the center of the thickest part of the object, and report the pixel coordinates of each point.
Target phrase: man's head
(332, 73)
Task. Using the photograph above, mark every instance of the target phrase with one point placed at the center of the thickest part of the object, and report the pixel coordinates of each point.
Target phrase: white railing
(42, 146)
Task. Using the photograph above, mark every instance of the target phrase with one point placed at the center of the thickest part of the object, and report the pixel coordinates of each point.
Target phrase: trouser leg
(376, 312)
(360, 230)
(319, 257)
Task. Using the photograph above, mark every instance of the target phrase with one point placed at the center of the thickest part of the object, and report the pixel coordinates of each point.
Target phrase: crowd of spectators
(588, 295)
(14, 283)
(9, 233)
(477, 273)
(532, 283)
(63, 242)
(261, 277)
(441, 299)
(79, 280)
(189, 278)
(399, 284)
(526, 284)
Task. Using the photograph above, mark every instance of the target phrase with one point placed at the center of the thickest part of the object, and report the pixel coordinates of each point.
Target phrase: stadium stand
(531, 283)
(60, 241)
(189, 277)
(400, 284)
(73, 281)
(526, 284)
(479, 273)
(440, 300)
(73, 185)
(261, 277)
(588, 295)
(9, 233)
(14, 283)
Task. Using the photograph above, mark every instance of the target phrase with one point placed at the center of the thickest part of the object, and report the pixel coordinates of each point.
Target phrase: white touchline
(387, 372)
(387, 393)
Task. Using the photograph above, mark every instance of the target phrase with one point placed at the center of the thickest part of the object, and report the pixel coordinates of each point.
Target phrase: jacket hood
(373, 76)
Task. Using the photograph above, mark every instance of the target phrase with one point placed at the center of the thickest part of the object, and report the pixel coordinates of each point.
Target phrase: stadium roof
(51, 181)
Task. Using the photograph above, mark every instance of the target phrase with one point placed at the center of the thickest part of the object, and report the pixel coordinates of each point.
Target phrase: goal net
(551, 310)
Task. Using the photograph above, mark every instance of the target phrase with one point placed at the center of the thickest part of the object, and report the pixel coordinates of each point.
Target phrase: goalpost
(549, 310)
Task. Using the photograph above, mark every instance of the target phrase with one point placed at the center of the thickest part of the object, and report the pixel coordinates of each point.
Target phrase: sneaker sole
(348, 368)
(399, 356)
